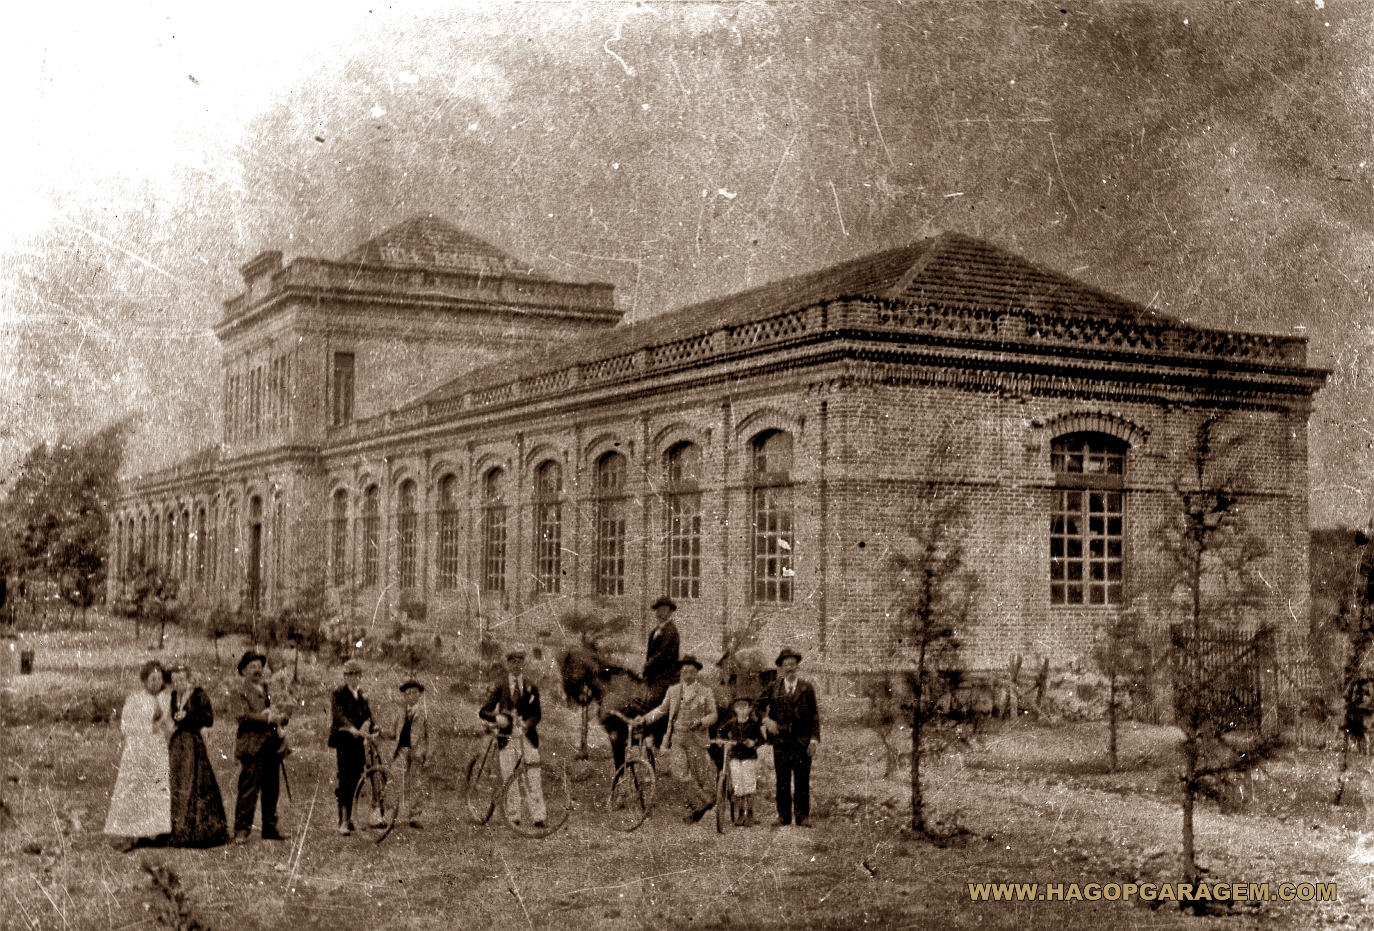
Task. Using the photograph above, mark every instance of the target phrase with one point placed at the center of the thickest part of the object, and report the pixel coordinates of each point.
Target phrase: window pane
(1086, 527)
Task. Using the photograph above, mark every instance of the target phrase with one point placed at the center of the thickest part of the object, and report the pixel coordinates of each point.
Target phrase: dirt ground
(1036, 802)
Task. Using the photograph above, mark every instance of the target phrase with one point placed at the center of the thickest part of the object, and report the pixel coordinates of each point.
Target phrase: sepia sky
(1212, 161)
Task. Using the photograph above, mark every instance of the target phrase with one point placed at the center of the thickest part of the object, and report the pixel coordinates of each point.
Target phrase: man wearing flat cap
(689, 707)
(513, 707)
(661, 660)
(350, 723)
(258, 748)
(789, 715)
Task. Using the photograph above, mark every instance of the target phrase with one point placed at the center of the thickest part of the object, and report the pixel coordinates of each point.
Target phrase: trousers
(411, 774)
(527, 801)
(259, 776)
(352, 760)
(791, 764)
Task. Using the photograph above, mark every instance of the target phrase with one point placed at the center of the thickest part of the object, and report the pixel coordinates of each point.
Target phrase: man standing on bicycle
(661, 660)
(514, 708)
(351, 721)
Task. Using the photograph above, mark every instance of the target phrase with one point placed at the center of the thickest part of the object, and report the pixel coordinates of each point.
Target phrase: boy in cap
(258, 748)
(350, 723)
(412, 750)
(790, 716)
(746, 732)
(690, 707)
(514, 708)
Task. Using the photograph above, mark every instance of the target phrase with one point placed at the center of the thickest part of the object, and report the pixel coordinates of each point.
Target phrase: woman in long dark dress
(197, 807)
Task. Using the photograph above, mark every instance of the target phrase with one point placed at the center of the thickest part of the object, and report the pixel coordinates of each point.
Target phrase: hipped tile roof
(949, 270)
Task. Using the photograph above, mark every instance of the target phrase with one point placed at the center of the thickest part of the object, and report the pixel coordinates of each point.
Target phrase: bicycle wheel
(724, 821)
(534, 786)
(632, 795)
(482, 785)
(371, 806)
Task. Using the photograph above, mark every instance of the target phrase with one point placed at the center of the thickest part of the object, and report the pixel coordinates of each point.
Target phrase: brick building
(430, 427)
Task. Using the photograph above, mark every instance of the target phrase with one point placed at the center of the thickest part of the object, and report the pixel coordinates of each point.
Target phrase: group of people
(785, 715)
(166, 792)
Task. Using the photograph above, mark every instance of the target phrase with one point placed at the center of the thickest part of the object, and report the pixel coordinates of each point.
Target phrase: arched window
(548, 528)
(143, 541)
(338, 544)
(771, 477)
(407, 535)
(448, 533)
(1086, 523)
(372, 535)
(684, 521)
(494, 532)
(610, 525)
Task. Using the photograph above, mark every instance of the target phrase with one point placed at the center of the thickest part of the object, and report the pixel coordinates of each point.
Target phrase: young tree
(933, 594)
(1356, 621)
(590, 629)
(1210, 558)
(1122, 655)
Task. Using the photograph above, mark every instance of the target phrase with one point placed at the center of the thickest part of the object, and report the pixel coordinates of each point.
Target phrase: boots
(345, 822)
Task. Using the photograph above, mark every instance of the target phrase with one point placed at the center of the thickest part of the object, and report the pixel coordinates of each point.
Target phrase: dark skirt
(197, 808)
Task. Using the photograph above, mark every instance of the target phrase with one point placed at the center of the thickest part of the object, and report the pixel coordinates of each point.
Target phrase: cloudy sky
(1210, 160)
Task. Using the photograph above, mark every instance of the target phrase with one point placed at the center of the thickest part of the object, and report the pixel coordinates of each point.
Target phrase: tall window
(407, 535)
(200, 544)
(342, 410)
(171, 543)
(338, 549)
(372, 535)
(494, 532)
(448, 533)
(771, 475)
(684, 521)
(184, 542)
(548, 528)
(610, 525)
(1086, 551)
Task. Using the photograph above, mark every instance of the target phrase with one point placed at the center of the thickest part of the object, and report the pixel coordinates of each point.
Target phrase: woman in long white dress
(141, 805)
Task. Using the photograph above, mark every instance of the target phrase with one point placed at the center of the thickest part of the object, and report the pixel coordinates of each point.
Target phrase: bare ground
(1036, 802)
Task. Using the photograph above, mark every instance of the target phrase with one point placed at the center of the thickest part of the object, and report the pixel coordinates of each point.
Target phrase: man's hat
(689, 660)
(409, 684)
(352, 665)
(516, 653)
(664, 603)
(742, 696)
(248, 657)
(786, 652)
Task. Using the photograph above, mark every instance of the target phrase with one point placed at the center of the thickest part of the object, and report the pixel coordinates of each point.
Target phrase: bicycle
(634, 783)
(484, 789)
(726, 814)
(372, 789)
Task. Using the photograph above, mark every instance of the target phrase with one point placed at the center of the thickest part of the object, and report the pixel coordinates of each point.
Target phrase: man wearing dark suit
(350, 720)
(661, 662)
(258, 748)
(790, 716)
(514, 708)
